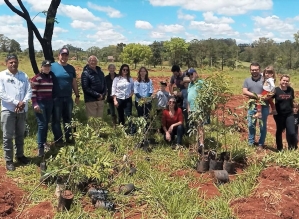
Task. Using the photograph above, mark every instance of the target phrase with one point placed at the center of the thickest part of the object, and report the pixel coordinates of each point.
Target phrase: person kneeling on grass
(172, 123)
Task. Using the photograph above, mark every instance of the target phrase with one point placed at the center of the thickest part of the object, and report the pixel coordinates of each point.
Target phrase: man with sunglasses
(15, 92)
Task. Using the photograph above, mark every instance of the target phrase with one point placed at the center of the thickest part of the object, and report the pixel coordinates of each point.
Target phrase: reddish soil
(276, 196)
(43, 210)
(10, 196)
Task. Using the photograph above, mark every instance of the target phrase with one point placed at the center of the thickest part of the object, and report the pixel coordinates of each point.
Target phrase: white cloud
(143, 25)
(83, 25)
(13, 2)
(227, 7)
(210, 18)
(39, 6)
(273, 23)
(172, 28)
(185, 16)
(213, 30)
(14, 19)
(111, 12)
(108, 35)
(77, 13)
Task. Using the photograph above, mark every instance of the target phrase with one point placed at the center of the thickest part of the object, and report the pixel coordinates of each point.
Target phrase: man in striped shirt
(42, 103)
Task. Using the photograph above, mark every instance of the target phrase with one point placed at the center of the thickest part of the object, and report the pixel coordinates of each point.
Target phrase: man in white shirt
(15, 92)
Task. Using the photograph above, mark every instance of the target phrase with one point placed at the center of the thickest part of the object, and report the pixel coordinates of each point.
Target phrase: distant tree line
(217, 53)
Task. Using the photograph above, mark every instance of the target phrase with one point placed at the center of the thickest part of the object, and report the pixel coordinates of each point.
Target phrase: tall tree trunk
(46, 40)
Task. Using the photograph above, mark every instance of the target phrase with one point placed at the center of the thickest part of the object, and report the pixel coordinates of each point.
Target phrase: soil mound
(276, 196)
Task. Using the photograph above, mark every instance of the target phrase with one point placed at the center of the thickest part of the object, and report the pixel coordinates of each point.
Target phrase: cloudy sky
(105, 22)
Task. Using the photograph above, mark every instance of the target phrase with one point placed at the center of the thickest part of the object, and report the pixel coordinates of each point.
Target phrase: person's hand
(170, 129)
(101, 97)
(37, 109)
(115, 103)
(77, 100)
(21, 105)
(168, 137)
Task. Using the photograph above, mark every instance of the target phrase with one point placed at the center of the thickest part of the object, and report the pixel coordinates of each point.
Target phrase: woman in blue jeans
(42, 103)
(143, 88)
(122, 92)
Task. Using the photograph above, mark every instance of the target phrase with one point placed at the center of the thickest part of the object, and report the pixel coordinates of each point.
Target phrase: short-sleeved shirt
(162, 97)
(193, 93)
(254, 86)
(269, 85)
(284, 100)
(177, 81)
(62, 79)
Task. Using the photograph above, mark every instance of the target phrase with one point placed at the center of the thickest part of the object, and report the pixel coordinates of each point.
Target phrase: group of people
(51, 93)
(261, 86)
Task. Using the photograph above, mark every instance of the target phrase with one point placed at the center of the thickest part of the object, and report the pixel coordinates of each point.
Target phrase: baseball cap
(46, 62)
(163, 83)
(191, 71)
(186, 79)
(64, 51)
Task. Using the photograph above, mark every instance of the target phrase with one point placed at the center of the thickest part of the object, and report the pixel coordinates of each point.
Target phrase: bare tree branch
(18, 12)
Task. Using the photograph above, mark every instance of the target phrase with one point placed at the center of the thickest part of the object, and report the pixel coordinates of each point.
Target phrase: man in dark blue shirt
(64, 81)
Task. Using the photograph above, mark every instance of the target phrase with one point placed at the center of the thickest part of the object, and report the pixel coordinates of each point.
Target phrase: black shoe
(10, 166)
(41, 152)
(23, 160)
(70, 141)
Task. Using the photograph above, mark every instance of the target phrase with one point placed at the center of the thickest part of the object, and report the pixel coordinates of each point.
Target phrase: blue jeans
(43, 120)
(252, 125)
(124, 109)
(62, 109)
(177, 131)
(144, 109)
(13, 125)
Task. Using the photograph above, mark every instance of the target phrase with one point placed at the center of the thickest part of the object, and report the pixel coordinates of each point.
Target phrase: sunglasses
(171, 102)
(125, 69)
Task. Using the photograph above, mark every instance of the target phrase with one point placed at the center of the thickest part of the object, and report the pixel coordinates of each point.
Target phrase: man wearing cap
(194, 85)
(15, 92)
(42, 102)
(64, 81)
(94, 88)
(177, 79)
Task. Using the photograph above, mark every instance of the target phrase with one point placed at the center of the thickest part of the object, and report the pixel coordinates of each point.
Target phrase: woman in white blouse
(122, 92)
(143, 88)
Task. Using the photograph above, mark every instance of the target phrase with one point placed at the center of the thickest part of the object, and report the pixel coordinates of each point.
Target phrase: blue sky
(102, 23)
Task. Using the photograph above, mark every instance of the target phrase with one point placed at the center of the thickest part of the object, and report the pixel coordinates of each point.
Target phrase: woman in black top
(284, 102)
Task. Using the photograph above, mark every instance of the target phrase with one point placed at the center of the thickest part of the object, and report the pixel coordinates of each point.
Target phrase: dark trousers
(124, 109)
(177, 131)
(285, 122)
(185, 113)
(144, 109)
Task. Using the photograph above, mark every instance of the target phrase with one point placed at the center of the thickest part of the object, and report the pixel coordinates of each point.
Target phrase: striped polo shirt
(42, 86)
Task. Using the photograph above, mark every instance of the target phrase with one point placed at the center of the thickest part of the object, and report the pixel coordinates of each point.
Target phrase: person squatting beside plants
(109, 80)
(268, 89)
(172, 122)
(284, 101)
(122, 92)
(15, 92)
(143, 88)
(42, 103)
(94, 88)
(253, 86)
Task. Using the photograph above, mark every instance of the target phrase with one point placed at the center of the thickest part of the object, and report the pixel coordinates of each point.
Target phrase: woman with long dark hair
(122, 92)
(172, 122)
(143, 88)
(284, 103)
